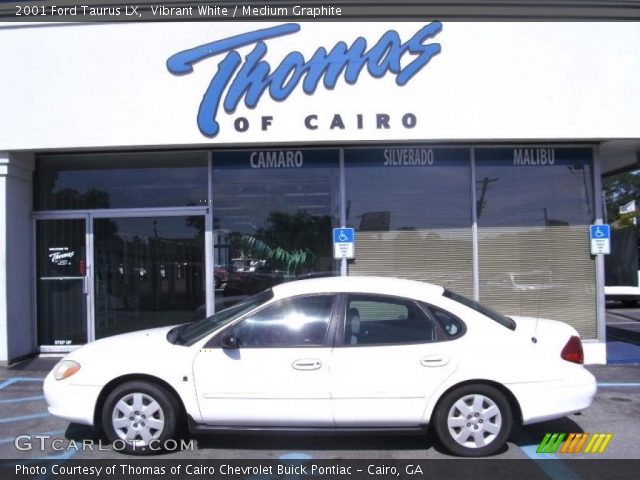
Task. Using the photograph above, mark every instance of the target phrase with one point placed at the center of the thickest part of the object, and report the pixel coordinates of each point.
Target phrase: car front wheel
(139, 417)
(473, 420)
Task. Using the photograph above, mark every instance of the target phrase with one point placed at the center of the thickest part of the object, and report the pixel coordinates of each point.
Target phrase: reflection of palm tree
(292, 259)
(291, 241)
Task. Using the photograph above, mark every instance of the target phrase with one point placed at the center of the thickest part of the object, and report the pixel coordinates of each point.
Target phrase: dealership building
(153, 173)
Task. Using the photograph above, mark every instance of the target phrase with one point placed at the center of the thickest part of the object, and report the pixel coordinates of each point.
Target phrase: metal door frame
(88, 244)
(88, 216)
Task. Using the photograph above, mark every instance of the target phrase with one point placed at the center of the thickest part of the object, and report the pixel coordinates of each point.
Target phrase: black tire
(133, 435)
(494, 429)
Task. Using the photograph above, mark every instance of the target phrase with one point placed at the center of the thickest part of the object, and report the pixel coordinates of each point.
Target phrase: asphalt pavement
(29, 432)
(23, 414)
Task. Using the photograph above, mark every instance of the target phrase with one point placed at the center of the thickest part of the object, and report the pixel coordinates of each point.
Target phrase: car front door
(278, 372)
(390, 362)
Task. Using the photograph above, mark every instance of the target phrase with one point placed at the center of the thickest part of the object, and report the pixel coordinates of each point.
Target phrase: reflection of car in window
(247, 277)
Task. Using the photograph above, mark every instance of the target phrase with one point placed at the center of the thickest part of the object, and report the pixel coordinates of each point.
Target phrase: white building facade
(152, 173)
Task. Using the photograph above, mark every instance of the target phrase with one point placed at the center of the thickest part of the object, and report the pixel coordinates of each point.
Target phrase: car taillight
(572, 351)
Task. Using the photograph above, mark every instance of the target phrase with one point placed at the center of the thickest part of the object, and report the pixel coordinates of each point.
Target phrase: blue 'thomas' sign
(250, 76)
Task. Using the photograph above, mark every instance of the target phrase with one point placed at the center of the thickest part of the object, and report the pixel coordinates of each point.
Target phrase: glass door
(62, 283)
(148, 272)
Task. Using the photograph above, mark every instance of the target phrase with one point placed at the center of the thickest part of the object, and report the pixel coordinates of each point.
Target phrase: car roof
(377, 285)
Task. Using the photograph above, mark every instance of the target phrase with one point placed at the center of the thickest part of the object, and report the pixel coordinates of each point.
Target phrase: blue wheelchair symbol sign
(600, 239)
(343, 235)
(344, 243)
(599, 232)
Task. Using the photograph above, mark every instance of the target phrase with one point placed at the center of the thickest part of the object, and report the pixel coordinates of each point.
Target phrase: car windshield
(190, 333)
(486, 311)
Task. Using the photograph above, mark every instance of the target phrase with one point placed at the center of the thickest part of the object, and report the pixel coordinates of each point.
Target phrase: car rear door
(391, 359)
(279, 373)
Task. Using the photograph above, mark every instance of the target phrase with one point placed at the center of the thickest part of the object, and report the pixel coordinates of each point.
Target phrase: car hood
(153, 338)
(146, 352)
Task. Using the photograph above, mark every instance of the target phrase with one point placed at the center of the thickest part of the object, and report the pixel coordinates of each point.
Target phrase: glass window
(188, 334)
(149, 272)
(411, 207)
(535, 205)
(121, 180)
(294, 322)
(622, 198)
(273, 215)
(375, 320)
(543, 187)
(487, 312)
(452, 326)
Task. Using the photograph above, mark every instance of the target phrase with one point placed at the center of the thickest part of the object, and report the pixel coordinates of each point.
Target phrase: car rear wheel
(139, 417)
(473, 420)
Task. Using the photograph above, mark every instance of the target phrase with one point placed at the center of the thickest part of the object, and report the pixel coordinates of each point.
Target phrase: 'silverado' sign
(250, 77)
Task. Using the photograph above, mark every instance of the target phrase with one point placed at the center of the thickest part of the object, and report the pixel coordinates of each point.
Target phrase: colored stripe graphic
(550, 443)
(543, 443)
(577, 443)
(574, 443)
(568, 442)
(598, 443)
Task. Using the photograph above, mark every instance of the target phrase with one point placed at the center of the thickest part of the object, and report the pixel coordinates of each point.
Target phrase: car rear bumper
(543, 401)
(75, 403)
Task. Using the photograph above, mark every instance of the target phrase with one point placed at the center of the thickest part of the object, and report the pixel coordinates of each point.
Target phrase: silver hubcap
(137, 418)
(474, 421)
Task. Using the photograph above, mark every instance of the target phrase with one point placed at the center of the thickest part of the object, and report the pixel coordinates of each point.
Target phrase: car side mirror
(230, 341)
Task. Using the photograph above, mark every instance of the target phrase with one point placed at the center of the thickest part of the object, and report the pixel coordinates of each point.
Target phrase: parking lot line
(13, 439)
(22, 399)
(63, 456)
(620, 384)
(11, 381)
(23, 417)
(295, 456)
(551, 465)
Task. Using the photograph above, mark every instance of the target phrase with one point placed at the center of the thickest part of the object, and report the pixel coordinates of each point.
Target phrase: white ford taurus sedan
(346, 353)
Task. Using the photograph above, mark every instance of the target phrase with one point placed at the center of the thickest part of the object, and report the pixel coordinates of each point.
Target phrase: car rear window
(486, 311)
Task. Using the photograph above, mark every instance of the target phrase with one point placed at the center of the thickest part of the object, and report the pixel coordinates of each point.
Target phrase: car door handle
(307, 364)
(434, 361)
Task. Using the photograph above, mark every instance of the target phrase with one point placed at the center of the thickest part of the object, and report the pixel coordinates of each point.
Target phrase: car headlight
(65, 369)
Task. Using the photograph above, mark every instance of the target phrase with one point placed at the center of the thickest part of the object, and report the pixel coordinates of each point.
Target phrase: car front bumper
(75, 403)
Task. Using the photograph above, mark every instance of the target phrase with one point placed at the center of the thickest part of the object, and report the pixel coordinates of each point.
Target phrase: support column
(17, 315)
(595, 352)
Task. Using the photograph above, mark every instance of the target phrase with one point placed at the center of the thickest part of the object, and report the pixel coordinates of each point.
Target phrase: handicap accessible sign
(600, 239)
(344, 243)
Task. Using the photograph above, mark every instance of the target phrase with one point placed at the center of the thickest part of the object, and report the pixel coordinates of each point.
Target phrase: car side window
(292, 322)
(381, 320)
(451, 325)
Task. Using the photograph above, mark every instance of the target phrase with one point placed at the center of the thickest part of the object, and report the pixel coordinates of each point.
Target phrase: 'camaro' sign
(249, 77)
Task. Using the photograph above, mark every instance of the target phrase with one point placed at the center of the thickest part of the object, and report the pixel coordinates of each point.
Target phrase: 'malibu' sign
(250, 77)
